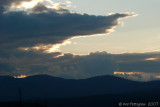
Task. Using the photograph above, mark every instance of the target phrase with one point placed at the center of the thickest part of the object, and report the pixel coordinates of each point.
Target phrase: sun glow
(55, 48)
(20, 76)
(29, 4)
(25, 5)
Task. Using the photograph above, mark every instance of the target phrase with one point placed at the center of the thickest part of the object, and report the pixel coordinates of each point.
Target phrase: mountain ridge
(46, 86)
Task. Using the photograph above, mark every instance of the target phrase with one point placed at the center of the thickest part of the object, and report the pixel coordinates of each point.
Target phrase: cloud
(6, 68)
(34, 5)
(50, 24)
(146, 66)
(39, 8)
(143, 62)
(9, 2)
(138, 66)
(26, 34)
(134, 57)
(33, 62)
(139, 76)
(98, 63)
(66, 65)
(23, 29)
(46, 26)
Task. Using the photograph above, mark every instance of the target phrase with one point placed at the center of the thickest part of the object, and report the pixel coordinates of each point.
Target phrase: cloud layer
(138, 66)
(9, 2)
(67, 66)
(23, 29)
(44, 25)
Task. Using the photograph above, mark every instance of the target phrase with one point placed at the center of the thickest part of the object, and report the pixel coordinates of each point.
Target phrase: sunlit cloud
(126, 73)
(31, 4)
(55, 48)
(59, 55)
(69, 3)
(20, 76)
(23, 5)
(138, 76)
(157, 76)
(49, 48)
(152, 59)
(28, 4)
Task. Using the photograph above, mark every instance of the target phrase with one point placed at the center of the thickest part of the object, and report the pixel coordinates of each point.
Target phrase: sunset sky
(80, 38)
(137, 34)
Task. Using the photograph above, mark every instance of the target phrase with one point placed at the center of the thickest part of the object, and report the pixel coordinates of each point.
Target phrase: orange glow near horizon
(151, 59)
(20, 76)
(157, 76)
(128, 73)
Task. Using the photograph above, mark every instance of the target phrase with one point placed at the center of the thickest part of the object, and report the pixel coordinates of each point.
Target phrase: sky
(137, 34)
(80, 38)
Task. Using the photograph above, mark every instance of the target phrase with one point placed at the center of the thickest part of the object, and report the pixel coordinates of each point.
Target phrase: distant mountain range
(45, 86)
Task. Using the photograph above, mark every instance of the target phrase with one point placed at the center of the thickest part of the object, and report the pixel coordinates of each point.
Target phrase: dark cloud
(43, 26)
(138, 66)
(33, 62)
(140, 62)
(48, 26)
(39, 8)
(19, 29)
(67, 66)
(143, 66)
(98, 63)
(133, 57)
(6, 68)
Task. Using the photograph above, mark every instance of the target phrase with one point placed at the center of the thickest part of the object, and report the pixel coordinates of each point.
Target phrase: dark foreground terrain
(101, 91)
(92, 101)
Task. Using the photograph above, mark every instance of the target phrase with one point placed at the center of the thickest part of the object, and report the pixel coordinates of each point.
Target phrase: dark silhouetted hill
(45, 86)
